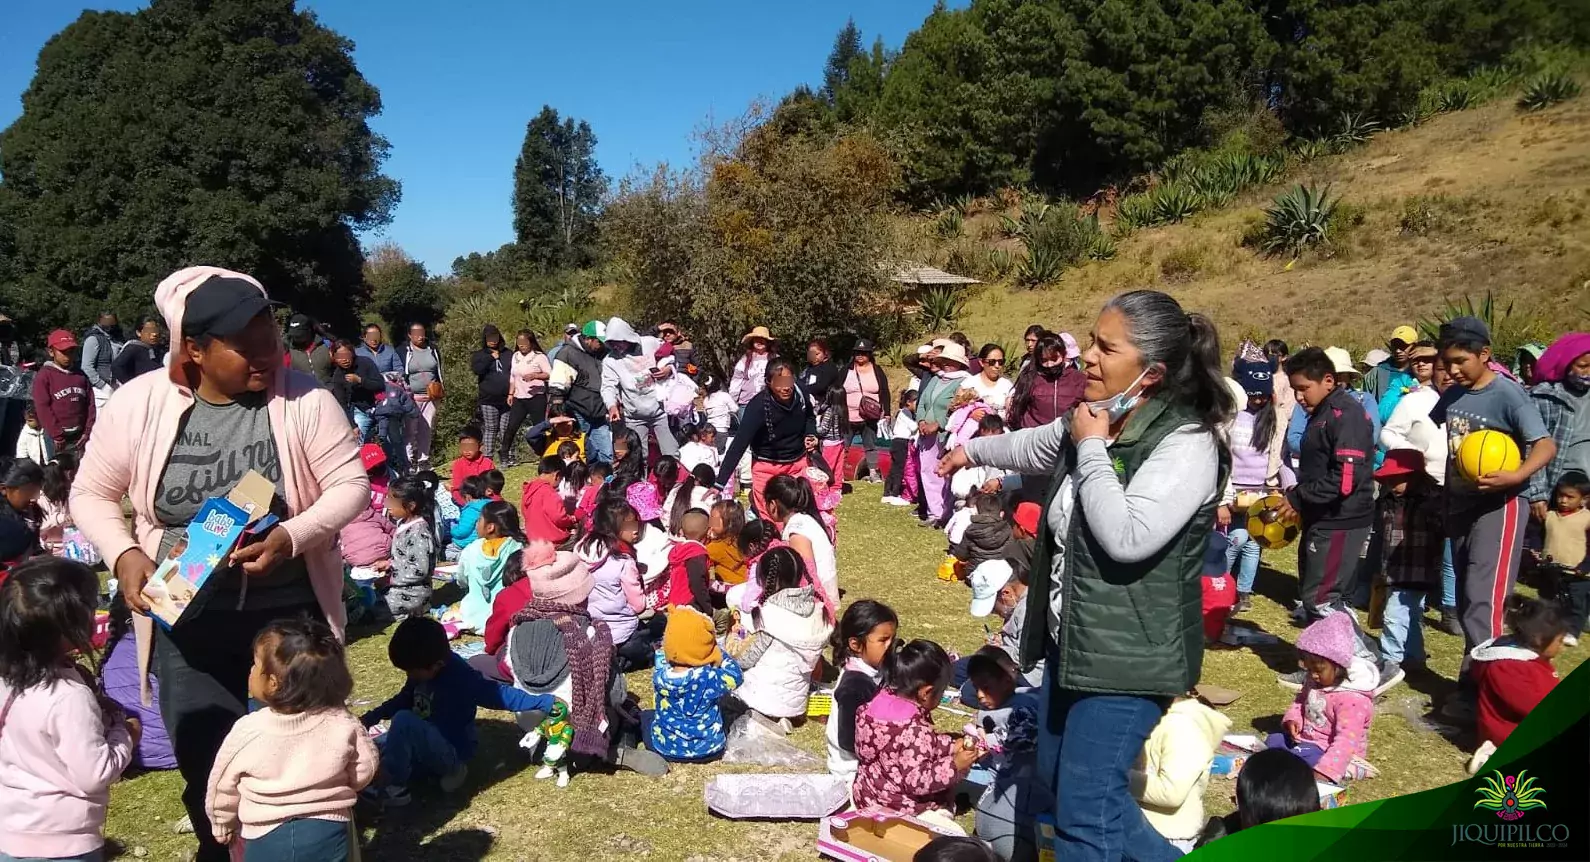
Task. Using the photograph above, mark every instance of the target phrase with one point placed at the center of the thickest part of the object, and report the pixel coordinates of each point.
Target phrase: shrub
(949, 224)
(1299, 218)
(1182, 263)
(1042, 265)
(1133, 212)
(1001, 262)
(1173, 202)
(942, 306)
(968, 205)
(1547, 90)
(1311, 150)
(1355, 129)
(1011, 228)
(1455, 96)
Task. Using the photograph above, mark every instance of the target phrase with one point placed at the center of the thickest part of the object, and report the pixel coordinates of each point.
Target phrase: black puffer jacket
(492, 374)
(986, 538)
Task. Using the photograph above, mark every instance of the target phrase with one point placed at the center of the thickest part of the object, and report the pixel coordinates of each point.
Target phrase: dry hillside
(1483, 200)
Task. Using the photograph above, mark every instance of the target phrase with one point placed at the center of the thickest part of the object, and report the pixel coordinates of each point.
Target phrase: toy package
(220, 527)
(874, 836)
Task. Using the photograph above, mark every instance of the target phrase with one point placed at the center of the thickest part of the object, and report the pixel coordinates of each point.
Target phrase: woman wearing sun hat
(750, 370)
(932, 415)
(226, 405)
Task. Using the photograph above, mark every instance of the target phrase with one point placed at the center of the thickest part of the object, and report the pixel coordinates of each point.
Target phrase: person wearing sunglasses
(991, 384)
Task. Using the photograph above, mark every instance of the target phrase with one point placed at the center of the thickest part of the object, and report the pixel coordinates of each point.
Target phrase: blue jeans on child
(1402, 626)
(1308, 752)
(90, 856)
(304, 839)
(1243, 547)
(412, 744)
(1100, 736)
(1448, 577)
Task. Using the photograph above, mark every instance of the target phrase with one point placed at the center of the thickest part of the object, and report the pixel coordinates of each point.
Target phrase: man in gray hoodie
(632, 386)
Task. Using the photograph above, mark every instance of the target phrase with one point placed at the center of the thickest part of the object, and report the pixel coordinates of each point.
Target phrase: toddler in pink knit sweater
(287, 776)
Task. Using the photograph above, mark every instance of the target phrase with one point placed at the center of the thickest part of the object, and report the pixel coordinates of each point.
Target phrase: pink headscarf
(1554, 363)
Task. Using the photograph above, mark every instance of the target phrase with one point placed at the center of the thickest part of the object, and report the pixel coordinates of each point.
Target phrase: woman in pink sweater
(227, 406)
(61, 746)
(287, 776)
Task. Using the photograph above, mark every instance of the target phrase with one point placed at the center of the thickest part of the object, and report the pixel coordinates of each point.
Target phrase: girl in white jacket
(782, 640)
(1173, 770)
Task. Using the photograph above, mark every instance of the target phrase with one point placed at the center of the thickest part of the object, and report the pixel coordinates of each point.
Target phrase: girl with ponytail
(1142, 461)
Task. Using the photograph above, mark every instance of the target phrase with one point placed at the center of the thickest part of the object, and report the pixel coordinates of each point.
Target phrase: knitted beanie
(690, 639)
(1331, 638)
(564, 578)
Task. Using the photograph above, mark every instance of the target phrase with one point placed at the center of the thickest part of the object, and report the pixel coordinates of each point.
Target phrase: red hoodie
(463, 468)
(63, 399)
(1512, 679)
(546, 517)
(688, 586)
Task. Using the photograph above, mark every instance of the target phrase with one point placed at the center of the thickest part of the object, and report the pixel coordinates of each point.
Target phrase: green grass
(503, 813)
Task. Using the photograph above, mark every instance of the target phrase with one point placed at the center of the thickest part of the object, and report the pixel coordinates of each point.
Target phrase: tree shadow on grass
(400, 833)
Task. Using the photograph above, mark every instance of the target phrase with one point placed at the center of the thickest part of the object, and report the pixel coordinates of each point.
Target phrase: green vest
(1125, 628)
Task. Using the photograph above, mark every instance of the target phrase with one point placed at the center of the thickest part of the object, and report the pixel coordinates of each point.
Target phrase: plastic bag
(775, 796)
(750, 741)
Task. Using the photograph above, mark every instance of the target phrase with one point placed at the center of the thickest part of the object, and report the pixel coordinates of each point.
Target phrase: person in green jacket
(1137, 470)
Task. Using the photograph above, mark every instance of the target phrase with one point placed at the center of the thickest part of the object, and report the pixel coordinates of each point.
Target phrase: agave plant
(968, 204)
(1547, 90)
(1001, 261)
(1490, 80)
(949, 224)
(1133, 212)
(1101, 246)
(1034, 210)
(941, 307)
(1299, 218)
(1042, 265)
(1309, 150)
(1455, 96)
(1011, 228)
(1355, 129)
(1216, 187)
(1173, 202)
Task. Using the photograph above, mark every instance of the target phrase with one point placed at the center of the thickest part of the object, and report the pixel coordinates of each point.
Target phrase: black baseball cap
(222, 306)
(1466, 329)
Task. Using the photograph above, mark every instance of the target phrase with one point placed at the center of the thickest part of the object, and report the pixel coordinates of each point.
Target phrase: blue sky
(460, 80)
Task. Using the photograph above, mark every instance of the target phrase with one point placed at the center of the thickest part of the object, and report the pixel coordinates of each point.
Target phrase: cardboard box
(219, 528)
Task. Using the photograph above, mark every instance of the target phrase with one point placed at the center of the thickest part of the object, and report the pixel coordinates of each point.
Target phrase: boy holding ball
(1485, 516)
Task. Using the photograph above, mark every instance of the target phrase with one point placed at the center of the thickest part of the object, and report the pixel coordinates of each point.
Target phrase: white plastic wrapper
(751, 742)
(777, 796)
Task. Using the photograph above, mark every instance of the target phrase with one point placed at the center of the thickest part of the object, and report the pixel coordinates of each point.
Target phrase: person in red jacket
(470, 461)
(63, 399)
(1514, 672)
(689, 581)
(546, 515)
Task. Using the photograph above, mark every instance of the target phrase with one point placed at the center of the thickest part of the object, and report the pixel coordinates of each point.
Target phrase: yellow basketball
(1483, 452)
(1267, 526)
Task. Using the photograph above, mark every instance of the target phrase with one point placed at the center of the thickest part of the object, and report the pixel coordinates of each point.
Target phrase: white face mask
(1122, 404)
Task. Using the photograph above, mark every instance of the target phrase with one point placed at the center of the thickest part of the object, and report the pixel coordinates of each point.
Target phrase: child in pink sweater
(287, 776)
(61, 745)
(1328, 724)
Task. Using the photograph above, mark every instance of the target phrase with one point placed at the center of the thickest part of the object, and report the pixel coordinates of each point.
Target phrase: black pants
(203, 668)
(1327, 566)
(869, 448)
(533, 409)
(894, 485)
(639, 652)
(1572, 592)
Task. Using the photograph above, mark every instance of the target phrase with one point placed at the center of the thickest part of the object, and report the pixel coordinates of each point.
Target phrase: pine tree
(557, 191)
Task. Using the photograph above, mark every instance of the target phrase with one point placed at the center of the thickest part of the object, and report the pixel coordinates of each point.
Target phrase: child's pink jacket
(325, 482)
(1337, 718)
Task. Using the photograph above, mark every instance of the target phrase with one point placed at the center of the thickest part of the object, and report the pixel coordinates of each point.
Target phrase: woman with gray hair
(1137, 470)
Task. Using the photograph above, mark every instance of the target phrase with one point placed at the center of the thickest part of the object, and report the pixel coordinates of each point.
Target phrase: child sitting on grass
(701, 447)
(464, 531)
(903, 763)
(1328, 724)
(287, 776)
(725, 521)
(495, 482)
(689, 569)
(861, 643)
(432, 729)
(1008, 722)
(1171, 774)
(409, 566)
(690, 677)
(546, 516)
(595, 478)
(470, 461)
(1514, 672)
(785, 636)
(987, 534)
(617, 597)
(1274, 784)
(64, 745)
(481, 565)
(56, 518)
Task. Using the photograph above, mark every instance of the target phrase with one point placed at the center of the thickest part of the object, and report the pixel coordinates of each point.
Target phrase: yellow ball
(1481, 453)
(1267, 526)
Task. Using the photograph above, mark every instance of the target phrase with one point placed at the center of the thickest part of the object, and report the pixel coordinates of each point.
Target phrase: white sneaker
(1570, 640)
(1481, 754)
(897, 501)
(454, 778)
(563, 778)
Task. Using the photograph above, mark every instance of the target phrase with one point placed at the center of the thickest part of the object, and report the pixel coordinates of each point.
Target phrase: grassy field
(503, 813)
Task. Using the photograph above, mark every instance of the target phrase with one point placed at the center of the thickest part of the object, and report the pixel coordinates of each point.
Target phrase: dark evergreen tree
(557, 191)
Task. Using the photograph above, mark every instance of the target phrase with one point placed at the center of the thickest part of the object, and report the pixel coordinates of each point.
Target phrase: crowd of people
(683, 525)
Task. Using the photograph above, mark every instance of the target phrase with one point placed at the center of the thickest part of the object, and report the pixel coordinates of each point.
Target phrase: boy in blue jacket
(432, 727)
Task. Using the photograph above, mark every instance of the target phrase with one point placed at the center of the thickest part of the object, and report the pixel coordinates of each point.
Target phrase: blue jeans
(363, 421)
(1101, 735)
(598, 442)
(301, 840)
(1242, 547)
(90, 856)
(1448, 577)
(1402, 626)
(412, 745)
